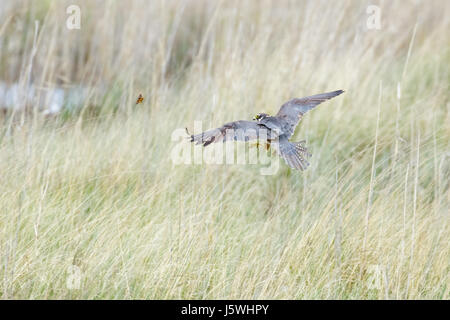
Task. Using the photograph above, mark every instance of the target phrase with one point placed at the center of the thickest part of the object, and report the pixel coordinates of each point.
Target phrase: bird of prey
(275, 130)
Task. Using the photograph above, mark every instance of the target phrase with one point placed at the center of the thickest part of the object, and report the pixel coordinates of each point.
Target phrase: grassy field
(92, 206)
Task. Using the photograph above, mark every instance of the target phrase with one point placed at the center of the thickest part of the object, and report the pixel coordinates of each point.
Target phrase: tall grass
(94, 189)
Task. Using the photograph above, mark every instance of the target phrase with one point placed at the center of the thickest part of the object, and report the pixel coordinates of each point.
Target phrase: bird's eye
(257, 116)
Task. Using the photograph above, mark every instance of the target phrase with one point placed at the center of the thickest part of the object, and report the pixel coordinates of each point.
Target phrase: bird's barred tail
(295, 154)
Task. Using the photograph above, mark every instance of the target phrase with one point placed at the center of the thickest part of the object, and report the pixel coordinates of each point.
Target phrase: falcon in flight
(274, 130)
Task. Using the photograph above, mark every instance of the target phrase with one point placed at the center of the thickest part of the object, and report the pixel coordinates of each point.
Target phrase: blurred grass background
(93, 187)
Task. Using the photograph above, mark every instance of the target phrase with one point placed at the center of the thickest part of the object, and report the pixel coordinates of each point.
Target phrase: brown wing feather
(238, 130)
(292, 111)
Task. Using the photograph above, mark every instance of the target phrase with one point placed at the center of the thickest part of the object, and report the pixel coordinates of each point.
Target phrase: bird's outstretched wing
(292, 111)
(238, 130)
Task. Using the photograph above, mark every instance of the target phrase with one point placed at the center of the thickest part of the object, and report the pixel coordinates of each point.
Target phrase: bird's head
(260, 116)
